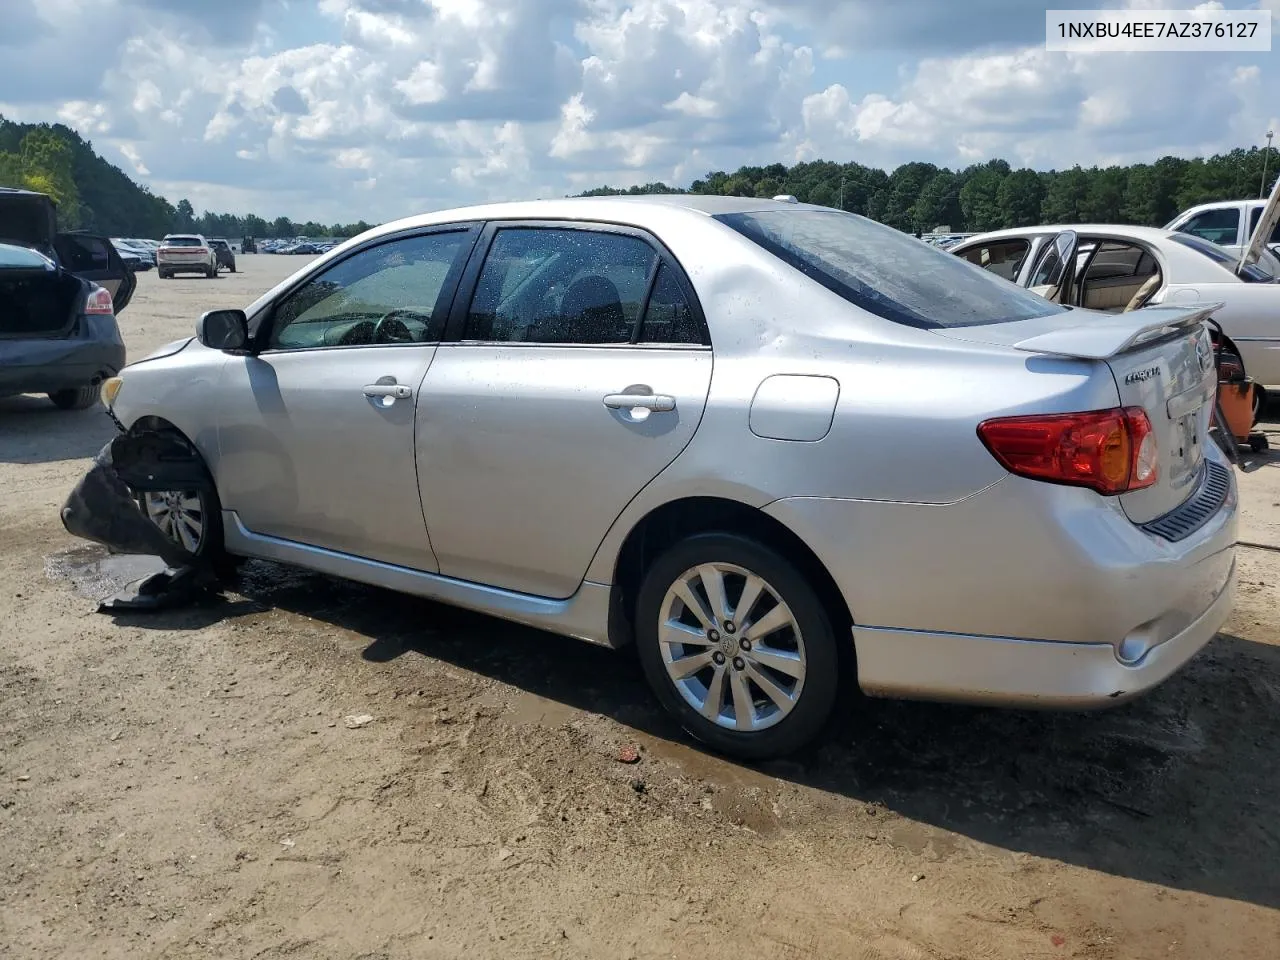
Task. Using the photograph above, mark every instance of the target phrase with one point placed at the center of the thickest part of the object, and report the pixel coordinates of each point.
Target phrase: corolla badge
(1143, 375)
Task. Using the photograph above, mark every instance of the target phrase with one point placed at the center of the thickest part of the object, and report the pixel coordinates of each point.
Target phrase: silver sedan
(781, 449)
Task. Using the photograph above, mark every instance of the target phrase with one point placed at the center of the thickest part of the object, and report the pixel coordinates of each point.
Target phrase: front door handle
(657, 402)
(396, 391)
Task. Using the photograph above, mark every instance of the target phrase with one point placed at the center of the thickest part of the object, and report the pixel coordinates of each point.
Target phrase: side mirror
(223, 330)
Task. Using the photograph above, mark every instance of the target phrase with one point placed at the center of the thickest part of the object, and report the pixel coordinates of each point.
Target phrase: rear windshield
(23, 257)
(182, 242)
(887, 272)
(1252, 273)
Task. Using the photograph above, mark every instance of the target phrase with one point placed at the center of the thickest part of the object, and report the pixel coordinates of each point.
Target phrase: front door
(580, 372)
(316, 430)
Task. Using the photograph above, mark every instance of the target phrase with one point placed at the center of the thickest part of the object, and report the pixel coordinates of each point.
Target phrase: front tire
(193, 520)
(81, 398)
(738, 645)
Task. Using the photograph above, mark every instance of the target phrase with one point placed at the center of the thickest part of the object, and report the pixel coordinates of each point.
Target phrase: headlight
(110, 388)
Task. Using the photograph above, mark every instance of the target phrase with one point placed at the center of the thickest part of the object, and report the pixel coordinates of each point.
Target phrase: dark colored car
(59, 296)
(226, 256)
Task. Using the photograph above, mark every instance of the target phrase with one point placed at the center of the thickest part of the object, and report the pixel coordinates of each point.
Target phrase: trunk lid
(1256, 245)
(27, 218)
(1161, 359)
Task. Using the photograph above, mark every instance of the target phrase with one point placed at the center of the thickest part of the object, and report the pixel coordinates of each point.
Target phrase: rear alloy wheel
(81, 398)
(738, 645)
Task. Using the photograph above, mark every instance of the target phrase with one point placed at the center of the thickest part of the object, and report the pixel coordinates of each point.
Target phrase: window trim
(263, 321)
(466, 289)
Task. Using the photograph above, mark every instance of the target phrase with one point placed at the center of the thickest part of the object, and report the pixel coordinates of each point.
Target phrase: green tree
(1019, 197)
(1064, 196)
(184, 216)
(980, 198)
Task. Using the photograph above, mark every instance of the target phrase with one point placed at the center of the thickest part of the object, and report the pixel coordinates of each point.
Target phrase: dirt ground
(185, 784)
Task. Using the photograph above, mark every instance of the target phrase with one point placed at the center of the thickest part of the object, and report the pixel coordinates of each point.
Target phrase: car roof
(635, 210)
(1118, 230)
(183, 236)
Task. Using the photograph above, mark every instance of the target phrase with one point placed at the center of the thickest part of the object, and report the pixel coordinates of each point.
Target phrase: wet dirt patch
(95, 572)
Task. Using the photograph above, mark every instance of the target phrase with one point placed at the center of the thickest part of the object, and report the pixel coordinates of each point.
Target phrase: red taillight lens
(99, 302)
(1111, 451)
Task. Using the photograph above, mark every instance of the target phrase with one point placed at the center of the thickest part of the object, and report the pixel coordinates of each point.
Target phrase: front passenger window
(385, 294)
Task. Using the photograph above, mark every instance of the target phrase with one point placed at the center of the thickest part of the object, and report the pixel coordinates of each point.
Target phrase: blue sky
(347, 109)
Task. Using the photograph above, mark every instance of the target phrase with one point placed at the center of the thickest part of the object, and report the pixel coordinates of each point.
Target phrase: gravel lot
(184, 785)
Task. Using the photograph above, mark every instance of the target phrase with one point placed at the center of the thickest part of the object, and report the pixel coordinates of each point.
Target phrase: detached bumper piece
(103, 508)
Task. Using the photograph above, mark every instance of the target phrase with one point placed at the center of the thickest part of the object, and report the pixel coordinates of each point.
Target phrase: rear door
(577, 370)
(94, 258)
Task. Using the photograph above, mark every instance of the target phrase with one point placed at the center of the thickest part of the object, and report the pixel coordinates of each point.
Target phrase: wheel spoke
(775, 619)
(715, 696)
(190, 502)
(744, 711)
(184, 535)
(155, 507)
(673, 631)
(751, 591)
(784, 661)
(771, 689)
(685, 667)
(693, 604)
(713, 584)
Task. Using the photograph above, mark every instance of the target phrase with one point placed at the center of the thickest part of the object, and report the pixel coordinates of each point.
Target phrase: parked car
(135, 257)
(185, 253)
(1117, 267)
(1229, 224)
(59, 296)
(763, 441)
(225, 255)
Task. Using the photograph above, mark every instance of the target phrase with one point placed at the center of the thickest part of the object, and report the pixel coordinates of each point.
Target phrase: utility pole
(842, 179)
(1266, 155)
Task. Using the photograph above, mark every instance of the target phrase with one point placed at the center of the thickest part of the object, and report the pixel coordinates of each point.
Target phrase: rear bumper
(1025, 593)
(45, 366)
(1025, 673)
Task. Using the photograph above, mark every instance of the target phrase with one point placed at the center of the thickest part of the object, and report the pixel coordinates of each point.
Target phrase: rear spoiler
(1102, 338)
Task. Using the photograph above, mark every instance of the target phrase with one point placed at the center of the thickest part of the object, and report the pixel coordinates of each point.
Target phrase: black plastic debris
(105, 509)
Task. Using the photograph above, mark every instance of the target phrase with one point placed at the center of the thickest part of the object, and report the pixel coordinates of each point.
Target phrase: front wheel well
(672, 522)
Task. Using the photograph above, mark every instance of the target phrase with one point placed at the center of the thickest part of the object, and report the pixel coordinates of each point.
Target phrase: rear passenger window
(559, 286)
(669, 318)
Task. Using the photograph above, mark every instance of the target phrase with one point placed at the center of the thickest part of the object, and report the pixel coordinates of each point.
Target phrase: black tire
(81, 398)
(211, 272)
(162, 274)
(232, 268)
(822, 661)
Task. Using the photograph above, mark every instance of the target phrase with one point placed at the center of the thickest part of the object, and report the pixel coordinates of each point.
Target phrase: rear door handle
(657, 402)
(397, 391)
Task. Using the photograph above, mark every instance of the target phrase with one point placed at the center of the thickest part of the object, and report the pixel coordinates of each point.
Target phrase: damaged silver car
(781, 449)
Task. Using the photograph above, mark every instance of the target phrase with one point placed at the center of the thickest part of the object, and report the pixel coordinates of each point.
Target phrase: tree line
(93, 194)
(992, 195)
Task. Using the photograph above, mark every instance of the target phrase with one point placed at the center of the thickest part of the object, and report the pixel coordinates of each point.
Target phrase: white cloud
(373, 108)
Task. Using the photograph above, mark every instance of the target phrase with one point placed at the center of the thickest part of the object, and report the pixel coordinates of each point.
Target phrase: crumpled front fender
(102, 508)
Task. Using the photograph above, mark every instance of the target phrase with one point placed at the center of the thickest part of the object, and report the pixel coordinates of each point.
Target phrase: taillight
(99, 302)
(1110, 451)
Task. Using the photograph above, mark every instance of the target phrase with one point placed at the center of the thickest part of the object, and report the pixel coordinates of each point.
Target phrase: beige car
(186, 253)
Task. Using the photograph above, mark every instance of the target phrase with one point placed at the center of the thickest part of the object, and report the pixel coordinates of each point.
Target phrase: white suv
(185, 253)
